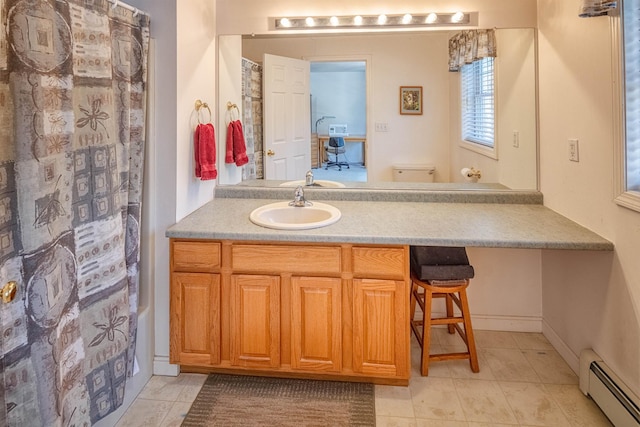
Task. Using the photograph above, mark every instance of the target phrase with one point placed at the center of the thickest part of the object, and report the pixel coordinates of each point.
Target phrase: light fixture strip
(371, 21)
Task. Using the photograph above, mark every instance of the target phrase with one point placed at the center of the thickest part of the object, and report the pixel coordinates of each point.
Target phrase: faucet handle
(298, 198)
(309, 178)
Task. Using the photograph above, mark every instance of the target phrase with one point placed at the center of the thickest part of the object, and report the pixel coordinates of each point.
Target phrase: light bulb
(357, 20)
(431, 18)
(285, 22)
(310, 22)
(406, 19)
(457, 17)
(334, 20)
(382, 19)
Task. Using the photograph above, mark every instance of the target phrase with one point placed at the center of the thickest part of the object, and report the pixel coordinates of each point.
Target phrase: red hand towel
(206, 151)
(228, 158)
(239, 145)
(196, 150)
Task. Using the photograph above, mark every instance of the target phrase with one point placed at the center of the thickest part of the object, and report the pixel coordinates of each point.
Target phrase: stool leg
(468, 330)
(415, 324)
(449, 302)
(412, 305)
(426, 333)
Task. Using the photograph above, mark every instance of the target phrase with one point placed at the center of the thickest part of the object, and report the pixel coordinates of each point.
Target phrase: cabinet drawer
(286, 258)
(380, 262)
(196, 256)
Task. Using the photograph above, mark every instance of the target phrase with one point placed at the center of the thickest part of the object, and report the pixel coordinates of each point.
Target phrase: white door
(287, 118)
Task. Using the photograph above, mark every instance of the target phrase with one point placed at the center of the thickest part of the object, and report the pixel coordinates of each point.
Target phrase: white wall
(195, 79)
(589, 299)
(341, 94)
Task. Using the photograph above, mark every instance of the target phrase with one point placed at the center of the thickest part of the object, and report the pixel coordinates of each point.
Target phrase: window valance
(591, 8)
(469, 46)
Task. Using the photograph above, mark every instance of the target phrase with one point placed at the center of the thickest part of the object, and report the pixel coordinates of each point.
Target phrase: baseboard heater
(615, 399)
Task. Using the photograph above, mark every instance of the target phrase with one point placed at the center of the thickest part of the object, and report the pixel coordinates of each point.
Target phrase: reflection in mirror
(432, 138)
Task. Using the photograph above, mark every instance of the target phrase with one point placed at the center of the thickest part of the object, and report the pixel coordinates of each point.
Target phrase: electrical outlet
(573, 150)
(516, 139)
(382, 127)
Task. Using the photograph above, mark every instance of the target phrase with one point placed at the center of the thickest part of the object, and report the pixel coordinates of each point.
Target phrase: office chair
(336, 147)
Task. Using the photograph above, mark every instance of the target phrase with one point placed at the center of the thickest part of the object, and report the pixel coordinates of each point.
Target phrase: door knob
(270, 153)
(9, 291)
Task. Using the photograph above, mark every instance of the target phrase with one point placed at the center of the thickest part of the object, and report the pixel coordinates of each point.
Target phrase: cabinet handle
(9, 291)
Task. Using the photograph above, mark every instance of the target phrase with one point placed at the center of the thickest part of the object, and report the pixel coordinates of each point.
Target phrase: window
(627, 46)
(478, 107)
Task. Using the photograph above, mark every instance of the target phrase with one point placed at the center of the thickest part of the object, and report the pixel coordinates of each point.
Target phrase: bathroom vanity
(330, 302)
(294, 308)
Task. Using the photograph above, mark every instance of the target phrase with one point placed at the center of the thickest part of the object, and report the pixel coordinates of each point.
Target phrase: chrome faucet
(298, 198)
(309, 178)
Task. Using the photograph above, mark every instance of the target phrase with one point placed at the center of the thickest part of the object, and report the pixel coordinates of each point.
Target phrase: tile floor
(522, 381)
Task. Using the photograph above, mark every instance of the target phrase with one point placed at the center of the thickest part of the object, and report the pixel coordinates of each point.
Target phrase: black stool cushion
(440, 263)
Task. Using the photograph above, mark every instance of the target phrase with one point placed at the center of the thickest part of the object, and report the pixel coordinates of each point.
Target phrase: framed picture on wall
(410, 99)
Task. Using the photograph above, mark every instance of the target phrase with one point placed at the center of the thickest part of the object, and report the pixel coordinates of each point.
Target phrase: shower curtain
(252, 117)
(72, 132)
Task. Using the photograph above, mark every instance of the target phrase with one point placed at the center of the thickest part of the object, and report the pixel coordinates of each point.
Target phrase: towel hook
(200, 105)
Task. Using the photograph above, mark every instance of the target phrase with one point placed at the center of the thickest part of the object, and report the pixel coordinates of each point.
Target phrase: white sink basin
(317, 183)
(281, 216)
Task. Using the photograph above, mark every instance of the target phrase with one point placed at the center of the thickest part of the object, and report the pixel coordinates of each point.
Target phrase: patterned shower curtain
(72, 132)
(252, 118)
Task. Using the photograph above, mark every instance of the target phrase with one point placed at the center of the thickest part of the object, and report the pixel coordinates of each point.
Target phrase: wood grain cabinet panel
(255, 320)
(316, 306)
(380, 327)
(195, 311)
(380, 262)
(308, 260)
(195, 256)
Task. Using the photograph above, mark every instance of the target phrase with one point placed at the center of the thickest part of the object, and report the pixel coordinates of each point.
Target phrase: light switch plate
(573, 150)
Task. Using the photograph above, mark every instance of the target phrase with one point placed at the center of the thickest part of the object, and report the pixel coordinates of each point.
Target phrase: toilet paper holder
(471, 174)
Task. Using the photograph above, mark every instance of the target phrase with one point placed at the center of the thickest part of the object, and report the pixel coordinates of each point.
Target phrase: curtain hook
(115, 4)
(135, 12)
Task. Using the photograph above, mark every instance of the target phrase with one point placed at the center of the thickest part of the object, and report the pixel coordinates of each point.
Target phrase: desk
(322, 139)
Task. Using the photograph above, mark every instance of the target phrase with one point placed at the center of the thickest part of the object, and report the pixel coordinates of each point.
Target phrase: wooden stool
(452, 290)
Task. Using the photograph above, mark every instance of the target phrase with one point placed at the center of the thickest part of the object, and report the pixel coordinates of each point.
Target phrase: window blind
(478, 112)
(631, 34)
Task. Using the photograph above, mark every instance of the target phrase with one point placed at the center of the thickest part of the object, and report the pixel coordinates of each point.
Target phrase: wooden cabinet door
(316, 313)
(255, 321)
(195, 319)
(380, 327)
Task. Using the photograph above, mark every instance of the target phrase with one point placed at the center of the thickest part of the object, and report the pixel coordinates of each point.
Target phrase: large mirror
(416, 59)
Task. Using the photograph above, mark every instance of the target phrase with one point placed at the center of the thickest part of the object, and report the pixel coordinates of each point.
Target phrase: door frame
(368, 60)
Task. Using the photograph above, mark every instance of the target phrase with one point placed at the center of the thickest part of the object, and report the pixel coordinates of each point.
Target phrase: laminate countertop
(501, 225)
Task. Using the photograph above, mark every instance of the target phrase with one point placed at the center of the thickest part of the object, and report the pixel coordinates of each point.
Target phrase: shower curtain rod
(117, 3)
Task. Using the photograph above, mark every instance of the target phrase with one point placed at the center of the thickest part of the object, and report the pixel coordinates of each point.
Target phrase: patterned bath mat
(235, 400)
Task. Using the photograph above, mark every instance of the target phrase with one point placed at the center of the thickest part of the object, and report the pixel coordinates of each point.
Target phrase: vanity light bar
(356, 21)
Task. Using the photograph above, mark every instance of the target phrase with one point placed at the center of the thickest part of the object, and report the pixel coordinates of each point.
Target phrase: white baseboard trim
(161, 366)
(563, 349)
(507, 323)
